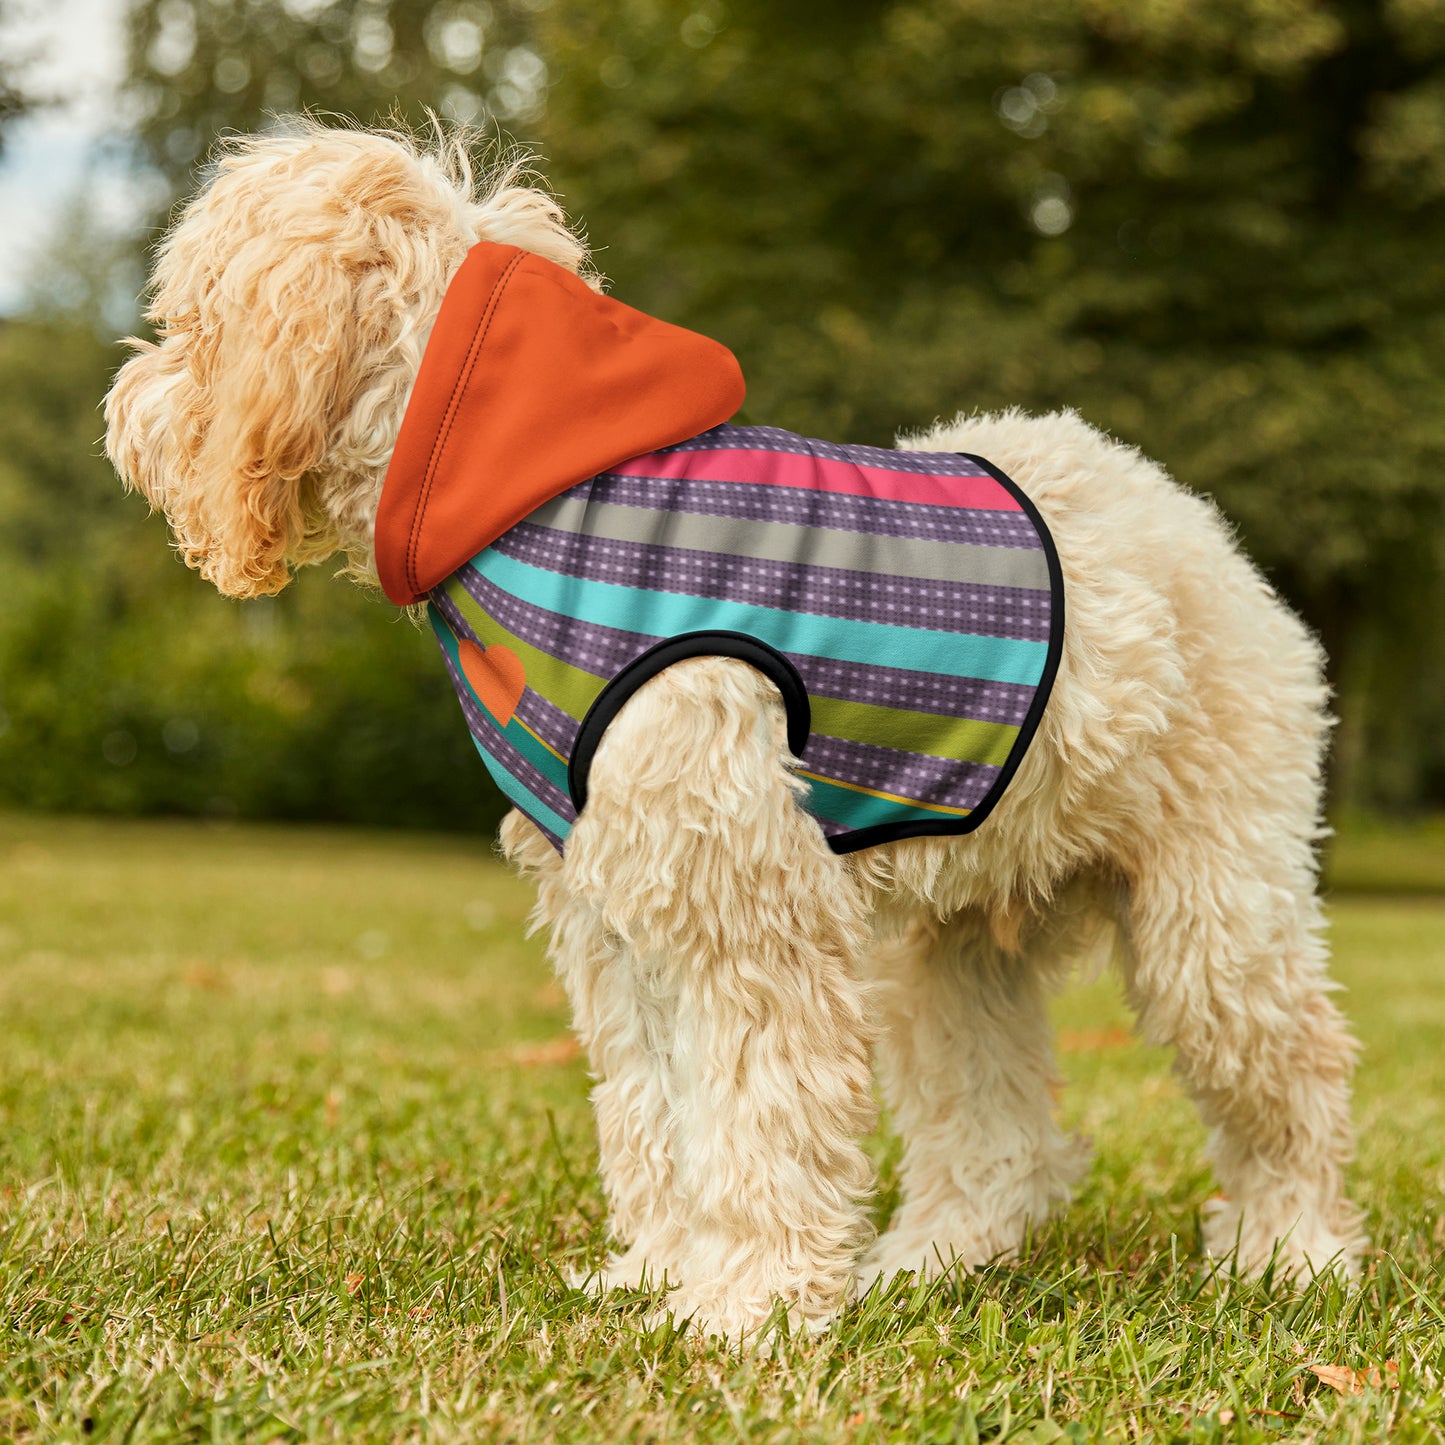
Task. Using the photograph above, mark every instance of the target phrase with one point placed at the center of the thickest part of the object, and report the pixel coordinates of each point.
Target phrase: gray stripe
(783, 542)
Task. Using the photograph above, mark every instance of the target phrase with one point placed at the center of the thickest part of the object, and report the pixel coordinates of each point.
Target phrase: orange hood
(531, 383)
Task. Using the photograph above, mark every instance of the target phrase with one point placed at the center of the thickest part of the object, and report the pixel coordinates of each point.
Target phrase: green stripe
(962, 739)
(864, 810)
(564, 686)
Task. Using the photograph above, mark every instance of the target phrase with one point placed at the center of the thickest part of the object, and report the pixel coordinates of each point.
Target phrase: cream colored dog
(729, 975)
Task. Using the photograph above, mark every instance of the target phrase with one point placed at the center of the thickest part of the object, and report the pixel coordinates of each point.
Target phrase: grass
(292, 1146)
(1369, 855)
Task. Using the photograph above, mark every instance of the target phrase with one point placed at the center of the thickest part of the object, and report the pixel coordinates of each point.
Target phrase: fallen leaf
(1346, 1381)
(551, 1051)
(1083, 1041)
(201, 975)
(354, 1283)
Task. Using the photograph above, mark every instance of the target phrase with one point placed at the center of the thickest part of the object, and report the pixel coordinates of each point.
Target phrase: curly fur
(293, 299)
(729, 975)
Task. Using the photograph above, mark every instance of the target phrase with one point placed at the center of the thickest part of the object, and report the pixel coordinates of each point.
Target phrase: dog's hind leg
(966, 1062)
(1227, 964)
(743, 932)
(1213, 833)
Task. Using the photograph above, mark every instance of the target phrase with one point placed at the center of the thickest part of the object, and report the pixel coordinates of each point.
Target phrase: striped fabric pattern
(915, 594)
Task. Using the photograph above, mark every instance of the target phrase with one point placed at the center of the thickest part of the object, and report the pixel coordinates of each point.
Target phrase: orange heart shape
(496, 676)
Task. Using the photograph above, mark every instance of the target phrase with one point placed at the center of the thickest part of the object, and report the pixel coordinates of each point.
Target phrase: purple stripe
(771, 439)
(964, 607)
(540, 826)
(587, 646)
(453, 614)
(806, 507)
(895, 687)
(500, 749)
(607, 651)
(917, 776)
(550, 723)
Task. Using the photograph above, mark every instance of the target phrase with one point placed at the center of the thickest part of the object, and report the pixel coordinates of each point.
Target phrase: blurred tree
(1217, 229)
(14, 99)
(1214, 226)
(128, 685)
(202, 67)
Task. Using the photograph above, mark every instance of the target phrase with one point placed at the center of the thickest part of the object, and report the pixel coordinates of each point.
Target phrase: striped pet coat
(907, 605)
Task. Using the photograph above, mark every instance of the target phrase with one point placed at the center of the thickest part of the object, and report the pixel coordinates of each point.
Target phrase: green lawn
(1370, 856)
(292, 1146)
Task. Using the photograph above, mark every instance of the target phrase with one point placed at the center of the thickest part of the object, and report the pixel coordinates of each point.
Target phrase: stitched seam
(484, 325)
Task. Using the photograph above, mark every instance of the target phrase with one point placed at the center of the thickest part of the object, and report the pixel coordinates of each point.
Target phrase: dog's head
(292, 300)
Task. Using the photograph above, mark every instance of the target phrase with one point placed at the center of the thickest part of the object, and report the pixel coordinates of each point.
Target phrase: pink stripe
(726, 464)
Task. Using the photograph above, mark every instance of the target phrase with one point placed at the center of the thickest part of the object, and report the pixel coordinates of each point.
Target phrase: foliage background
(1215, 227)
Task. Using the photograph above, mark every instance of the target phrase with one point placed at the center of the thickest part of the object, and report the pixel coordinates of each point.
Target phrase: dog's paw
(1299, 1246)
(634, 1270)
(984, 1223)
(909, 1252)
(882, 1272)
(751, 1324)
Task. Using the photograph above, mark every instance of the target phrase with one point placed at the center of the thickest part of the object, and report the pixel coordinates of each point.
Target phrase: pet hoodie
(568, 496)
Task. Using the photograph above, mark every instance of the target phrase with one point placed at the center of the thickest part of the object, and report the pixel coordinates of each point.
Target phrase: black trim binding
(892, 832)
(610, 701)
(776, 667)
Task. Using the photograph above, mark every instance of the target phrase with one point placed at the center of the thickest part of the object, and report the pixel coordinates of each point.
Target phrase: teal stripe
(872, 644)
(547, 763)
(863, 810)
(523, 797)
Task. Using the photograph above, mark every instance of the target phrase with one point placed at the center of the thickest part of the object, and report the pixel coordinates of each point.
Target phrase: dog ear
(286, 299)
(225, 421)
(293, 299)
(277, 354)
(278, 362)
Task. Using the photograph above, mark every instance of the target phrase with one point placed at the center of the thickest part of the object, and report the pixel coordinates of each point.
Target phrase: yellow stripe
(539, 738)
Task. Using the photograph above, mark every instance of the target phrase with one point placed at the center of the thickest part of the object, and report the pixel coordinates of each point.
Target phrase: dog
(732, 975)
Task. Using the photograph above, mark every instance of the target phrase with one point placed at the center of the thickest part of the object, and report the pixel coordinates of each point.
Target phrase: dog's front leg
(741, 930)
(624, 1026)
